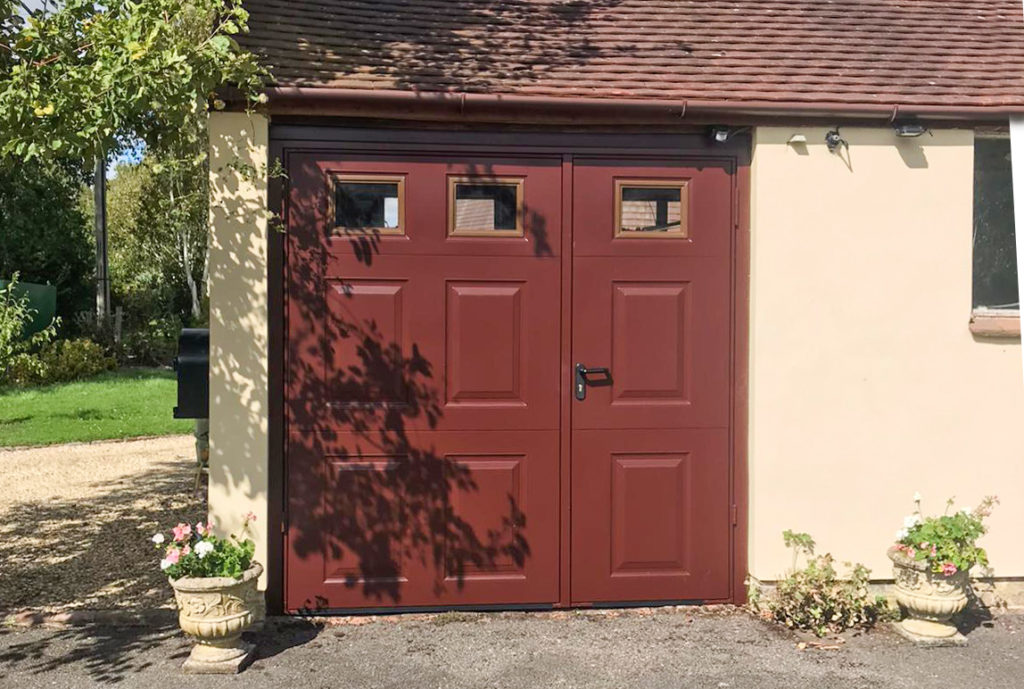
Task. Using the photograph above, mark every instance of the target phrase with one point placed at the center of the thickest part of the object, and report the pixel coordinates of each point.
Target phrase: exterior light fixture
(834, 141)
(909, 130)
(797, 140)
(720, 134)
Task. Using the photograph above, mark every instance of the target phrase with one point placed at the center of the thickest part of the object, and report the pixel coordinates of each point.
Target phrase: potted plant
(932, 559)
(214, 581)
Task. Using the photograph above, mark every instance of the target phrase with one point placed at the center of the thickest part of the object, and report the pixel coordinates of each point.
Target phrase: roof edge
(479, 107)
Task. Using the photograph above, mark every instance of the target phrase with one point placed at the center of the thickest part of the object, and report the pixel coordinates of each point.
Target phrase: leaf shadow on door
(368, 490)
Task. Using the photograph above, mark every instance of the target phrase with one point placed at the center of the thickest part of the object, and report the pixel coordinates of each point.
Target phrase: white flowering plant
(195, 551)
(947, 543)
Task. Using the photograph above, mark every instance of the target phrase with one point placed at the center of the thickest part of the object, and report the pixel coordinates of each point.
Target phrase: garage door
(480, 413)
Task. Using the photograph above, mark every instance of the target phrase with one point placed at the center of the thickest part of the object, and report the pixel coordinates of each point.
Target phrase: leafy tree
(91, 76)
(83, 77)
(43, 232)
(157, 216)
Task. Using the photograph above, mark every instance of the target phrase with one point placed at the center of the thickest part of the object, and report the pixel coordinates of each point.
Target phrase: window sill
(996, 324)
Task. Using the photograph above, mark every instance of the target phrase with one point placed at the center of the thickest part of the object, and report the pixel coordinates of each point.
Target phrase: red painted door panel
(422, 519)
(422, 391)
(650, 516)
(650, 442)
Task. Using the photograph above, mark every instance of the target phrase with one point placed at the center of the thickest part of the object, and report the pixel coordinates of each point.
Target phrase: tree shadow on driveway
(94, 551)
(108, 653)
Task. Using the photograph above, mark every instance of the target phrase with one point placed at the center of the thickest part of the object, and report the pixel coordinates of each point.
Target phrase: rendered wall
(866, 384)
(238, 324)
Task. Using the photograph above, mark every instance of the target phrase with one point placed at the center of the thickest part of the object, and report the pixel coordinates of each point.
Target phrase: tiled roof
(904, 52)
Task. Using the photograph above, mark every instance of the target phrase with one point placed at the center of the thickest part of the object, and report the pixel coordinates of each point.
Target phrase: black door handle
(580, 381)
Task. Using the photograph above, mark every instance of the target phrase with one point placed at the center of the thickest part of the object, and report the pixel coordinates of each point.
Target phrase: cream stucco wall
(238, 323)
(865, 383)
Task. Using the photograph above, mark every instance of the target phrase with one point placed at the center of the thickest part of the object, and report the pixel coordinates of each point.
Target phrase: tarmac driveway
(692, 648)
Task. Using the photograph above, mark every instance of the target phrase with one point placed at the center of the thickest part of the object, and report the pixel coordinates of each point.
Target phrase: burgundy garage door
(507, 380)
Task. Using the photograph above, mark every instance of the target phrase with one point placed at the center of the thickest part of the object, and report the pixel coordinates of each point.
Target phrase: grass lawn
(120, 404)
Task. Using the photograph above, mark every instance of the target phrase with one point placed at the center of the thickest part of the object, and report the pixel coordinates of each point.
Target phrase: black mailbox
(193, 367)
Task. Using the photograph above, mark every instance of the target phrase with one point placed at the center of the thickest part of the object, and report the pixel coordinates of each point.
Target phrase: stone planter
(214, 611)
(931, 600)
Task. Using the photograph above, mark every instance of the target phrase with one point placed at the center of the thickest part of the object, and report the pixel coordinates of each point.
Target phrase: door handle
(581, 382)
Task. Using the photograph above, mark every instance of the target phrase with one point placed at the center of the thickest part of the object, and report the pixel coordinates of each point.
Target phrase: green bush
(75, 359)
(59, 362)
(816, 598)
(152, 345)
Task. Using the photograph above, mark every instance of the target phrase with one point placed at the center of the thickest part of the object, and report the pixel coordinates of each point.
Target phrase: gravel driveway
(75, 522)
(689, 648)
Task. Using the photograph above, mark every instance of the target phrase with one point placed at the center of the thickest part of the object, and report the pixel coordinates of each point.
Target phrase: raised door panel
(650, 516)
(661, 325)
(484, 358)
(422, 519)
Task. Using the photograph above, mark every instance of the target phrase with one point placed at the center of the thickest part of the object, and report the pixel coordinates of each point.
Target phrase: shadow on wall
(238, 327)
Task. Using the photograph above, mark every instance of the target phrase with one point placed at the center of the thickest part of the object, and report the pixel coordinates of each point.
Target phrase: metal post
(99, 189)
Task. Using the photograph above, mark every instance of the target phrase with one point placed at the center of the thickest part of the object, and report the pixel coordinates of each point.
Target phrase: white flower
(917, 497)
(203, 548)
(165, 563)
(901, 534)
(912, 520)
(158, 538)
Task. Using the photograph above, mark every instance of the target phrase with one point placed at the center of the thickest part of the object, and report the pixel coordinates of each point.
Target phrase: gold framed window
(485, 206)
(368, 203)
(651, 209)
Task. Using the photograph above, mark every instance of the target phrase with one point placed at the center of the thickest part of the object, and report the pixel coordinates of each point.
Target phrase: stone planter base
(931, 601)
(207, 659)
(927, 633)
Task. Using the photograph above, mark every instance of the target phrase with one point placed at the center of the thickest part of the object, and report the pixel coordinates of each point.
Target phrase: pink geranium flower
(182, 532)
(948, 569)
(250, 517)
(173, 555)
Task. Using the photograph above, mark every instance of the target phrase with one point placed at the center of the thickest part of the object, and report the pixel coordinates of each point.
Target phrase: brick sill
(996, 324)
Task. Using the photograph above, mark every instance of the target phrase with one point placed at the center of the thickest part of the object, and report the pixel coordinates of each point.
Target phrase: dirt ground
(649, 649)
(76, 522)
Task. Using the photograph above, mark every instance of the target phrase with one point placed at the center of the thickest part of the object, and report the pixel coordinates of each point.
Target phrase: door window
(369, 202)
(485, 207)
(650, 209)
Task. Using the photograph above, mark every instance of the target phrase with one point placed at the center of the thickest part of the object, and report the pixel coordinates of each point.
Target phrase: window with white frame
(995, 254)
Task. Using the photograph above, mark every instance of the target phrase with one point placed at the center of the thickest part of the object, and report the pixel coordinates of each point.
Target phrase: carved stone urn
(931, 600)
(214, 611)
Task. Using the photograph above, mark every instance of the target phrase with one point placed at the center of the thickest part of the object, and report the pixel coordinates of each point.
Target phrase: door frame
(294, 135)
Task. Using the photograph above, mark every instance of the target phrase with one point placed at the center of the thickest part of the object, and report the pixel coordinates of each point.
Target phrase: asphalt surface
(675, 648)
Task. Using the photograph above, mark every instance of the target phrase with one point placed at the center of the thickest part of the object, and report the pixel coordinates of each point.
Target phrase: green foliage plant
(947, 543)
(16, 352)
(816, 597)
(67, 360)
(196, 551)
